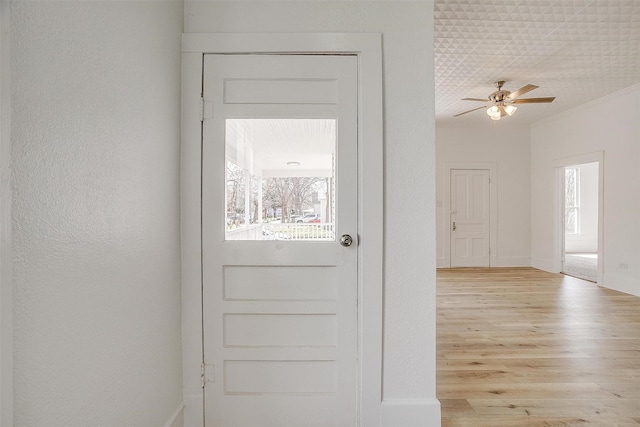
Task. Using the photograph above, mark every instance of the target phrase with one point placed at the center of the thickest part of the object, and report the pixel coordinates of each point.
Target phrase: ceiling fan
(501, 101)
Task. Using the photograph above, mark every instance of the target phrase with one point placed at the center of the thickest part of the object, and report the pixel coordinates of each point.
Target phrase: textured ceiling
(575, 50)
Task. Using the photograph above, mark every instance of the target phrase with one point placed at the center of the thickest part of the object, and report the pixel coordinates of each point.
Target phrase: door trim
(368, 48)
(493, 207)
(558, 229)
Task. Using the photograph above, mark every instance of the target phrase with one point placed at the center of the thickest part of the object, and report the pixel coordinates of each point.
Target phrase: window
(280, 179)
(571, 200)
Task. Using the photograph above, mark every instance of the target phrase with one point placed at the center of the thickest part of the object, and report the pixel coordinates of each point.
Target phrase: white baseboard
(513, 262)
(393, 413)
(410, 413)
(544, 264)
(193, 410)
(177, 418)
(621, 284)
(496, 262)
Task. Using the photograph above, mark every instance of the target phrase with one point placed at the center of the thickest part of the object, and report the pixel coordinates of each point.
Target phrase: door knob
(454, 226)
(346, 240)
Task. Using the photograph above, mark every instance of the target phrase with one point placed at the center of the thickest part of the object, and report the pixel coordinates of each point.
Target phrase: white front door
(469, 224)
(279, 189)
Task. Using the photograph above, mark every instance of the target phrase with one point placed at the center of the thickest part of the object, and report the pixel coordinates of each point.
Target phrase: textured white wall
(96, 255)
(487, 144)
(6, 299)
(612, 125)
(407, 28)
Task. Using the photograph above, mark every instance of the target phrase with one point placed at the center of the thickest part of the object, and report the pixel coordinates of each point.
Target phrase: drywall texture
(511, 155)
(611, 125)
(409, 265)
(96, 262)
(6, 299)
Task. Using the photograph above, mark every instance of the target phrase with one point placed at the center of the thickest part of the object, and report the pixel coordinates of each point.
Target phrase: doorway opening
(580, 255)
(231, 192)
(579, 225)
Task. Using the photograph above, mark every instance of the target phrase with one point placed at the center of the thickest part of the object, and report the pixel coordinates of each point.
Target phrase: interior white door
(280, 303)
(469, 225)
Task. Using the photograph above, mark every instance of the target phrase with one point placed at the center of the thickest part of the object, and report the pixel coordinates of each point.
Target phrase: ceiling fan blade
(469, 111)
(521, 91)
(475, 99)
(533, 100)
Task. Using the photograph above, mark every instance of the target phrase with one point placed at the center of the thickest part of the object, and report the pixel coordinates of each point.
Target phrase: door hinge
(207, 374)
(489, 251)
(206, 109)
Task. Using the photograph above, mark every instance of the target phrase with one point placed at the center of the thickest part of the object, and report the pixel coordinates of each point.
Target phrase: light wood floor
(521, 347)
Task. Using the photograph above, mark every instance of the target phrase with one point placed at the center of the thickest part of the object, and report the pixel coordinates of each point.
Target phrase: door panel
(470, 218)
(280, 296)
(297, 283)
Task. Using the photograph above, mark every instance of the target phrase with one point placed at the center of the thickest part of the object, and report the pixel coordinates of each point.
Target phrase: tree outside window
(251, 199)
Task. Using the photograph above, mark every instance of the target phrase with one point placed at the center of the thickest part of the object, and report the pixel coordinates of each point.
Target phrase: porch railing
(299, 231)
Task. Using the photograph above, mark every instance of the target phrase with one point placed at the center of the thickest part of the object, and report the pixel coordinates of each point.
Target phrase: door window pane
(280, 179)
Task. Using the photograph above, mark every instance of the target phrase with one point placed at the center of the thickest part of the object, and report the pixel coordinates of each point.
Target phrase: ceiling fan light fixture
(494, 112)
(510, 109)
(501, 101)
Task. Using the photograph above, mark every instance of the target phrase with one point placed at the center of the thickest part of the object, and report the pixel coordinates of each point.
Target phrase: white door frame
(493, 207)
(558, 229)
(368, 48)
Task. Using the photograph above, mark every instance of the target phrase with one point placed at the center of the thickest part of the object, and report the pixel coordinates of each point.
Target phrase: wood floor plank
(529, 421)
(523, 347)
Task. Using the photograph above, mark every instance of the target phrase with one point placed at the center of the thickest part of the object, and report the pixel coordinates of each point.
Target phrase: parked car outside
(295, 218)
(312, 217)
